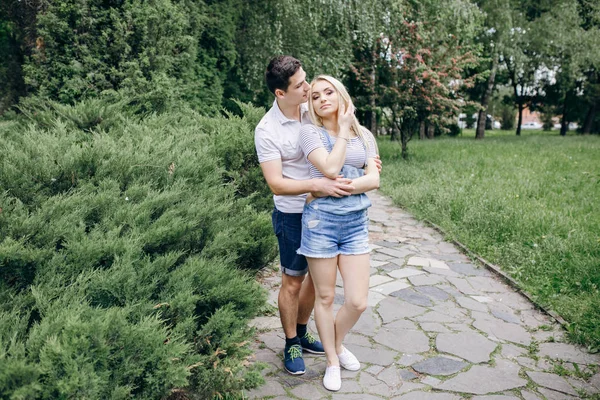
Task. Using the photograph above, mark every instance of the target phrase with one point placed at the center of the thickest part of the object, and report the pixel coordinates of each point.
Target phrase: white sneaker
(348, 360)
(333, 378)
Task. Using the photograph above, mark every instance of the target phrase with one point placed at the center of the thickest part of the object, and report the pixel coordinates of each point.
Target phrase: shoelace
(308, 336)
(295, 351)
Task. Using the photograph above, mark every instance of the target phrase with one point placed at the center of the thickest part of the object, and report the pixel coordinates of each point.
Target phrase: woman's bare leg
(355, 271)
(323, 272)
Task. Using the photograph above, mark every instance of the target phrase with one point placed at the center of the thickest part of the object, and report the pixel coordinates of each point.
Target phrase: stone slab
(436, 316)
(411, 296)
(468, 269)
(377, 264)
(567, 352)
(405, 273)
(409, 359)
(391, 377)
(437, 264)
(487, 284)
(439, 366)
(368, 323)
(270, 388)
(391, 287)
(429, 279)
(484, 380)
(552, 395)
(419, 395)
(552, 381)
(376, 280)
(392, 309)
(374, 298)
(434, 327)
(482, 299)
(529, 396)
(418, 261)
(470, 346)
(397, 253)
(408, 375)
(463, 286)
(377, 355)
(500, 329)
(471, 304)
(406, 341)
(433, 292)
(506, 316)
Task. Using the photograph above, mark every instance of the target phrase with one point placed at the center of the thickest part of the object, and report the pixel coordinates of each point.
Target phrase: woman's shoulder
(309, 128)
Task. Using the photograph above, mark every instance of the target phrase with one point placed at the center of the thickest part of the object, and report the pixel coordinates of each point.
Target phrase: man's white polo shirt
(276, 137)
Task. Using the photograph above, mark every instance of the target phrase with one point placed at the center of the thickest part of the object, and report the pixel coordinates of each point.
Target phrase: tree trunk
(520, 119)
(430, 131)
(422, 131)
(520, 106)
(589, 118)
(405, 137)
(564, 124)
(372, 103)
(480, 131)
(395, 131)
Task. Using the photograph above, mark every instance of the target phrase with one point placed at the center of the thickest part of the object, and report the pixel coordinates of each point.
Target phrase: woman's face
(325, 99)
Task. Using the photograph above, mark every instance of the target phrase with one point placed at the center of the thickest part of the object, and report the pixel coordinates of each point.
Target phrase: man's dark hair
(279, 71)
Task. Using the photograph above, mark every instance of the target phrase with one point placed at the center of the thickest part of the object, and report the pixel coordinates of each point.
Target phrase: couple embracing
(319, 162)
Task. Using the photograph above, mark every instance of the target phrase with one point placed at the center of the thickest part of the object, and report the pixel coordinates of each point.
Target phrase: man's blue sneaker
(293, 361)
(311, 344)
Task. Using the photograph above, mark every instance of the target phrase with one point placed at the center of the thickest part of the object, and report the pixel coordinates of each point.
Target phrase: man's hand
(338, 187)
(378, 163)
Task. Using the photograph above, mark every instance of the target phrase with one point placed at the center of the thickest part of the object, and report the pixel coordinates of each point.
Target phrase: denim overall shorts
(333, 226)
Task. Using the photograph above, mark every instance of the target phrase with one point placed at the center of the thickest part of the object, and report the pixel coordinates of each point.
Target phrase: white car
(531, 125)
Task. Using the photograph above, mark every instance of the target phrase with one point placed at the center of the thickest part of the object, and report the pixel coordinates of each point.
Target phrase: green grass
(528, 204)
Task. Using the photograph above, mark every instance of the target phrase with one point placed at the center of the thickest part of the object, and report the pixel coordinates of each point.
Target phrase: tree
(496, 28)
(522, 62)
(418, 83)
(569, 52)
(309, 30)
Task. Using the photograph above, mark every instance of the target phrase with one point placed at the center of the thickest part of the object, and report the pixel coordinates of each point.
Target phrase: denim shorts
(288, 229)
(326, 235)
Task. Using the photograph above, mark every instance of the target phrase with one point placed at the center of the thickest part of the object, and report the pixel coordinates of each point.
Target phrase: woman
(335, 230)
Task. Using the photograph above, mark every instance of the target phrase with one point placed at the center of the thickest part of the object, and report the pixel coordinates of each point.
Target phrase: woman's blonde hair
(344, 98)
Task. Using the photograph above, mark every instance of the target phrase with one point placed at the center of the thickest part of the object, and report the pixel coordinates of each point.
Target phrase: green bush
(126, 251)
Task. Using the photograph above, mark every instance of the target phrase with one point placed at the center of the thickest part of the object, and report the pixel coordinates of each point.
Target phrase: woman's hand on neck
(345, 119)
(340, 122)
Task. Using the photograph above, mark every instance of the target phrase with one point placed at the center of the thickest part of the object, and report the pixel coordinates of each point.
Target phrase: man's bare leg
(306, 301)
(288, 302)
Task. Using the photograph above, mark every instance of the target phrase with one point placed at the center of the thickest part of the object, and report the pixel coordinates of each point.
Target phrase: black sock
(301, 330)
(292, 341)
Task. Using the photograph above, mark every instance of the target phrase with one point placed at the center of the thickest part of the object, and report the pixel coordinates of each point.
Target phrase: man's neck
(291, 111)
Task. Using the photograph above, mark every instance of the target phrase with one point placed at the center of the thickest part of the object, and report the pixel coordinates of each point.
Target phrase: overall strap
(330, 145)
(328, 138)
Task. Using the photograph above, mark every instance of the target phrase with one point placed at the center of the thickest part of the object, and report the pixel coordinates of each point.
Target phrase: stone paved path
(437, 327)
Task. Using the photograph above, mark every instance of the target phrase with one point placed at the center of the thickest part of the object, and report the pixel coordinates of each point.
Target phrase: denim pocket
(277, 221)
(310, 217)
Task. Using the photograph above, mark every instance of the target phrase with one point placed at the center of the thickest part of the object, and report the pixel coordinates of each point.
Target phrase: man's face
(297, 91)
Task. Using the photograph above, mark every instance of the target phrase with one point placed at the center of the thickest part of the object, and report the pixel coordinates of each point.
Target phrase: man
(287, 174)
